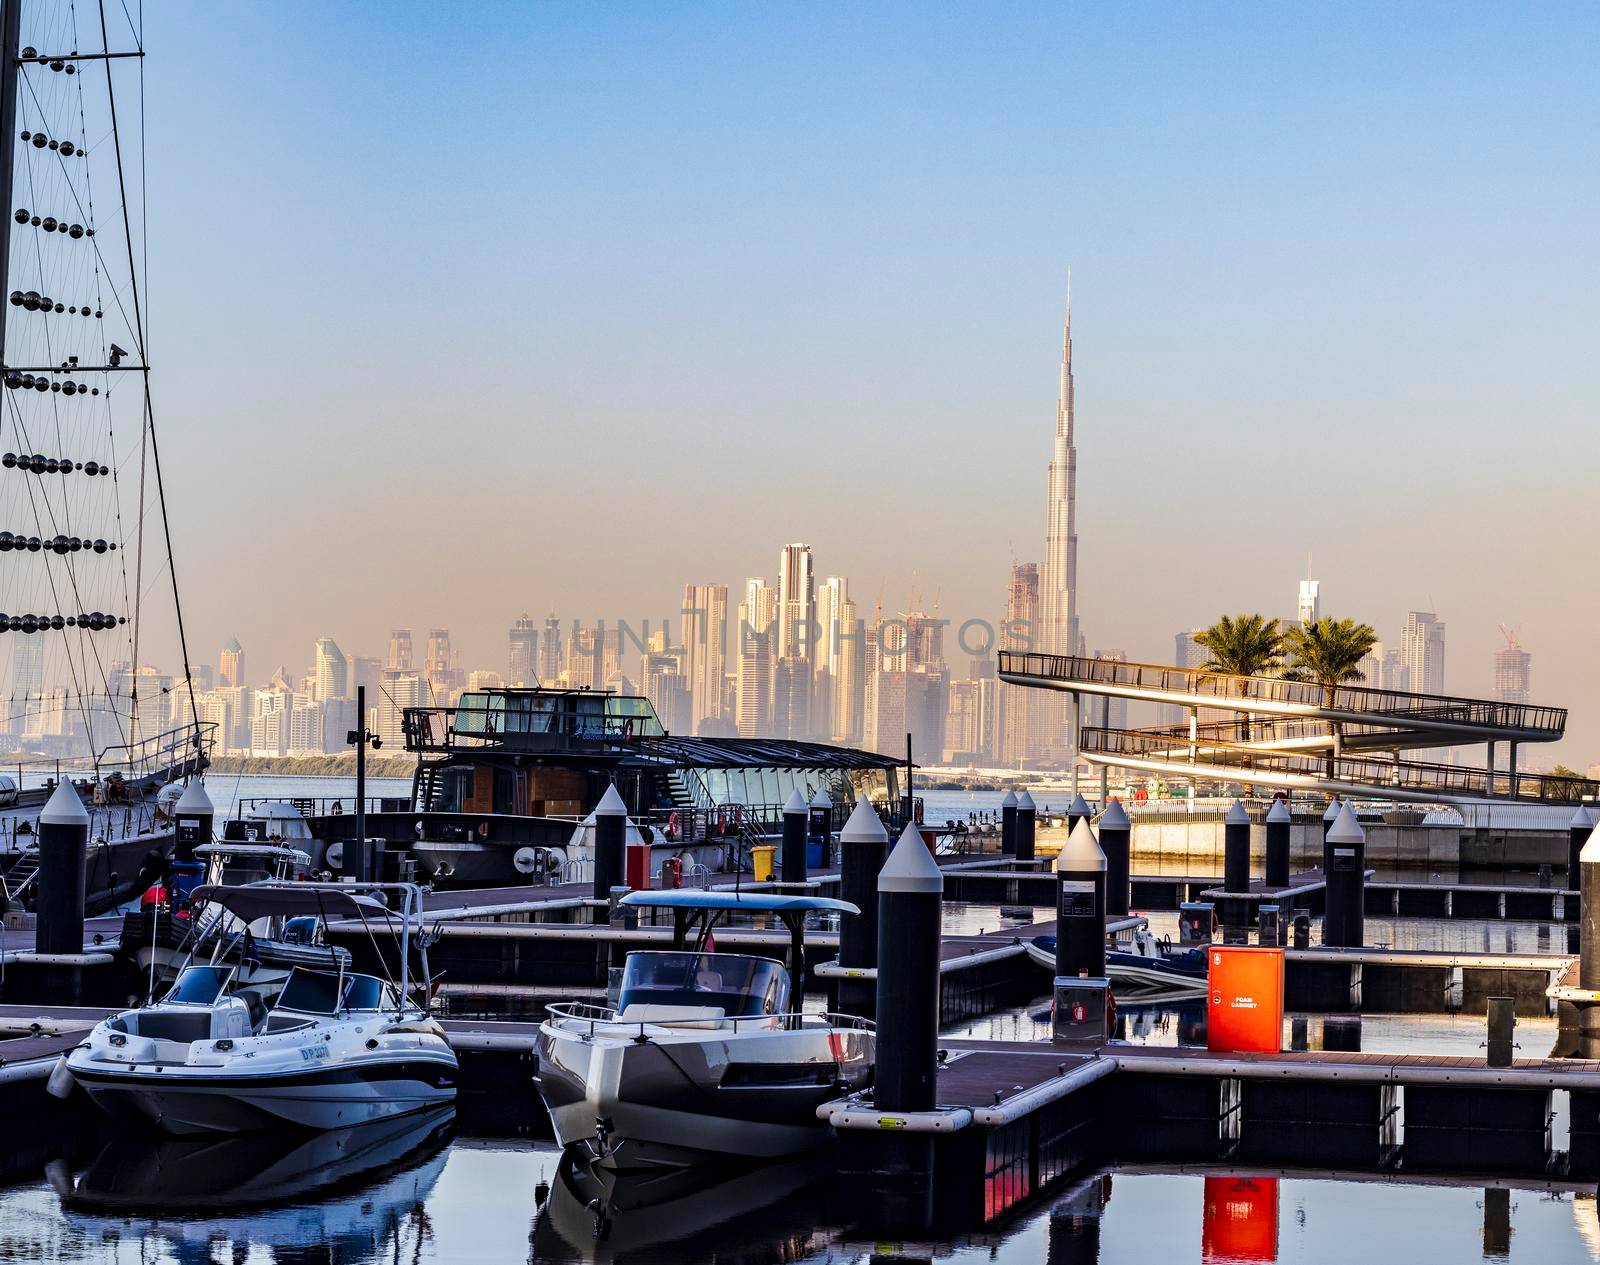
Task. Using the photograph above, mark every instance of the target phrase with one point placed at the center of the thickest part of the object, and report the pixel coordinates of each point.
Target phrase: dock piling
(1330, 815)
(821, 825)
(1344, 862)
(1008, 824)
(863, 844)
(195, 815)
(1279, 824)
(1077, 811)
(1502, 1026)
(63, 849)
(1081, 905)
(910, 899)
(1235, 863)
(1116, 841)
(1027, 827)
(610, 838)
(796, 814)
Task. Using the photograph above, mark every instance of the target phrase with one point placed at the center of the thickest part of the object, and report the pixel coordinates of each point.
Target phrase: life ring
(627, 729)
(673, 823)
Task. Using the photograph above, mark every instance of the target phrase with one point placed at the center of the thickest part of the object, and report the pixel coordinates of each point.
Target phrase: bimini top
(260, 900)
(724, 902)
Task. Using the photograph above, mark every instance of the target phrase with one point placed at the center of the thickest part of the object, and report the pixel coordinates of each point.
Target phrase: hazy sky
(461, 311)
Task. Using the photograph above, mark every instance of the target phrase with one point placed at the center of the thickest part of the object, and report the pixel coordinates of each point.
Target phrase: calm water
(412, 1196)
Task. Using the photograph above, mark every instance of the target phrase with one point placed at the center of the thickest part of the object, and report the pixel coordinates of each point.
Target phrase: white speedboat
(1140, 966)
(704, 1055)
(334, 1049)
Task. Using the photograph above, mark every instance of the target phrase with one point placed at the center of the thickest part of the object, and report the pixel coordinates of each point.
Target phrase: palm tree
(1329, 651)
(1242, 645)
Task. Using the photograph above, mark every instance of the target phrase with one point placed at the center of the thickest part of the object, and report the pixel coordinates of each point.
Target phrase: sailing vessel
(85, 545)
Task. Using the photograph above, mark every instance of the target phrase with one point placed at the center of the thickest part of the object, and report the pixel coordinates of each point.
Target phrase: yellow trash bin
(761, 861)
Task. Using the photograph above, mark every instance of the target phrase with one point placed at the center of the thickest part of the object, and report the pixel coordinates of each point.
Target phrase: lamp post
(355, 859)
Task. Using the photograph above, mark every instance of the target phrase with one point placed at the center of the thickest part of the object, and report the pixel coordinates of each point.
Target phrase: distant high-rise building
(331, 670)
(1058, 579)
(797, 603)
(849, 672)
(1394, 674)
(1309, 606)
(757, 635)
(1513, 671)
(1422, 642)
(399, 690)
(705, 638)
(667, 688)
(1112, 713)
(232, 664)
(366, 671)
(1020, 712)
(27, 683)
(549, 660)
(1186, 653)
(884, 702)
(524, 652)
(832, 595)
(399, 650)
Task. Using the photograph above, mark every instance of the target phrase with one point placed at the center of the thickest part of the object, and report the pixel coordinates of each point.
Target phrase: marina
(929, 892)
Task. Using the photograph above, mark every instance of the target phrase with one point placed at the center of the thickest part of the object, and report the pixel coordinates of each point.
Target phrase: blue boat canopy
(725, 902)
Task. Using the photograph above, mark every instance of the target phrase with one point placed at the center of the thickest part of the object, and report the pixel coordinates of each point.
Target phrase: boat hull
(668, 1101)
(1132, 974)
(182, 1102)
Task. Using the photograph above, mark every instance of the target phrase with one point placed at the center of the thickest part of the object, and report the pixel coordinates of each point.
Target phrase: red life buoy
(673, 823)
(627, 730)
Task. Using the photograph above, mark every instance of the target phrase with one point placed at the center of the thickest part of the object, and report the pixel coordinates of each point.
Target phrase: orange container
(1244, 999)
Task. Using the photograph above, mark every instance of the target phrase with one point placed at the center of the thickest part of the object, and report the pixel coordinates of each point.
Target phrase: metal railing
(472, 725)
(175, 753)
(590, 1016)
(1239, 692)
(1377, 772)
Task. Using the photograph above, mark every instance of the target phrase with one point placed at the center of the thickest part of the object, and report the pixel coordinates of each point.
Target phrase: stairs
(21, 875)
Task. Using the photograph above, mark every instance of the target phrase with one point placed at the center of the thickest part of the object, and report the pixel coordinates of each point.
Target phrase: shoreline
(343, 766)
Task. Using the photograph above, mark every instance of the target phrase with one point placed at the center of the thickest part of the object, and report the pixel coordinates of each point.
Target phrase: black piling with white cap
(1345, 859)
(792, 856)
(1116, 841)
(1578, 830)
(1008, 824)
(1329, 816)
(1077, 811)
(1081, 905)
(63, 853)
(1236, 849)
(610, 844)
(910, 901)
(863, 844)
(1279, 823)
(820, 824)
(195, 815)
(1027, 826)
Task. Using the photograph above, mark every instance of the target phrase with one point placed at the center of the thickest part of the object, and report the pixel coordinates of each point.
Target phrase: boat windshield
(739, 985)
(310, 992)
(199, 985)
(368, 992)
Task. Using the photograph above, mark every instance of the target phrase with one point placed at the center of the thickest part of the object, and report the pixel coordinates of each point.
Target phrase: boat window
(199, 985)
(739, 985)
(368, 992)
(310, 992)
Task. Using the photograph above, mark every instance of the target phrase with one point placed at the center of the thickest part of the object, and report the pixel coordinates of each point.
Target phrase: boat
(507, 778)
(706, 1055)
(81, 478)
(159, 942)
(1147, 967)
(334, 1049)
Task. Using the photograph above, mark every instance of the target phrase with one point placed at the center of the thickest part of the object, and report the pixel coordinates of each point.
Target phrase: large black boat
(507, 777)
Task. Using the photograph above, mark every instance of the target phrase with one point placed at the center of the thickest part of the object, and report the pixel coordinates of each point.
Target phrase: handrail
(1411, 775)
(591, 1015)
(1237, 692)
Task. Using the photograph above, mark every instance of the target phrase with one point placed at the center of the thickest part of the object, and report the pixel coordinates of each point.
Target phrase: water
(417, 1198)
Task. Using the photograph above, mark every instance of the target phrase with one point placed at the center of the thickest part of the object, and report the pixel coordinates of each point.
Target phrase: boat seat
(258, 1008)
(677, 1016)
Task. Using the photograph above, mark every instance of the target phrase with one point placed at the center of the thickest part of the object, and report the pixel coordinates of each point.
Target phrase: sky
(465, 311)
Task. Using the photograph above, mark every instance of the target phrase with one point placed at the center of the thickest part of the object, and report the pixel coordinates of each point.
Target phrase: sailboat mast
(10, 36)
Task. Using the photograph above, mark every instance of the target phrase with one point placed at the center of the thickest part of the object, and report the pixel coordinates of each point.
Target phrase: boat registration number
(311, 1053)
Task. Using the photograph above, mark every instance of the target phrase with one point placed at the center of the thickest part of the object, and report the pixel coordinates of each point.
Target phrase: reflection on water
(411, 1194)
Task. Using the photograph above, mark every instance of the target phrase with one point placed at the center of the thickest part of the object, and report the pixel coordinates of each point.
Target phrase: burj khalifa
(1059, 599)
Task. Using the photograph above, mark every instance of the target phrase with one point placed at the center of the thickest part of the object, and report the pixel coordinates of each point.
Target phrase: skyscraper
(705, 641)
(757, 635)
(231, 665)
(1513, 670)
(399, 650)
(832, 595)
(549, 662)
(524, 652)
(1020, 707)
(331, 669)
(849, 675)
(1310, 605)
(1058, 580)
(1422, 643)
(797, 601)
